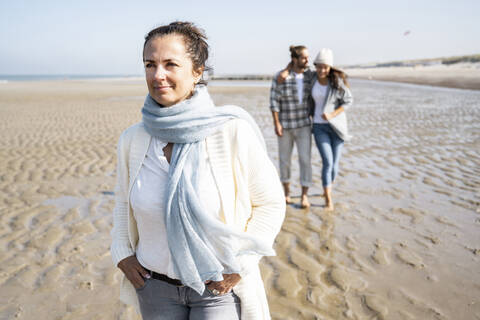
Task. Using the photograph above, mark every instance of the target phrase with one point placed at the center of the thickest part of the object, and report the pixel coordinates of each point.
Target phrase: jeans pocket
(145, 282)
(210, 293)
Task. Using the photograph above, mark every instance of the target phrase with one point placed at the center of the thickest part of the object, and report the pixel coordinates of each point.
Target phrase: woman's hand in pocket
(134, 271)
(226, 285)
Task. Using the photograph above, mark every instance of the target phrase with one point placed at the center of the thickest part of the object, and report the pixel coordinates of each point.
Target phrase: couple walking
(300, 97)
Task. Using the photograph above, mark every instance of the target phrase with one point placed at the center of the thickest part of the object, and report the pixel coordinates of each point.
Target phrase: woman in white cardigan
(198, 201)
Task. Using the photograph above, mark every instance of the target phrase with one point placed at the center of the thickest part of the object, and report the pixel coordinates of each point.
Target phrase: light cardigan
(250, 192)
(336, 98)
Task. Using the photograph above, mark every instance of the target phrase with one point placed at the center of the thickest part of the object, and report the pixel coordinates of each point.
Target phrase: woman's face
(169, 70)
(322, 70)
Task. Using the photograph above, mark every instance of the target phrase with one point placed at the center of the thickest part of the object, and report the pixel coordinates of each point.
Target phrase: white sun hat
(325, 56)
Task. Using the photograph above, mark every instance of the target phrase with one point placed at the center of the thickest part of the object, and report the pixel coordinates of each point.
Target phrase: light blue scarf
(202, 247)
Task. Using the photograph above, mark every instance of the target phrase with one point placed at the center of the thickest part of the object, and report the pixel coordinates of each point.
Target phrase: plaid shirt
(284, 100)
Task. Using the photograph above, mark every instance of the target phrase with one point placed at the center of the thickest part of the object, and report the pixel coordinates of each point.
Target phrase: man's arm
(275, 106)
(277, 124)
(282, 75)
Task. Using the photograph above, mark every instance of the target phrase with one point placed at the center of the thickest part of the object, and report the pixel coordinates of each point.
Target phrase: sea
(119, 77)
(51, 77)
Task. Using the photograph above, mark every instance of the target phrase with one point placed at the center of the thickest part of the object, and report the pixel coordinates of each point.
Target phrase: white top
(251, 196)
(299, 80)
(319, 94)
(147, 200)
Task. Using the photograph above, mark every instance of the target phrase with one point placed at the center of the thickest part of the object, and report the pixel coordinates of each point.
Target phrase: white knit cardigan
(250, 192)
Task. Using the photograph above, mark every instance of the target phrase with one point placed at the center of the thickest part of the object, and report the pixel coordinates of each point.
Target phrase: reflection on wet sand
(403, 240)
(402, 243)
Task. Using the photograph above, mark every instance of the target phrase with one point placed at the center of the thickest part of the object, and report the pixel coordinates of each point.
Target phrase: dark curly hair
(194, 38)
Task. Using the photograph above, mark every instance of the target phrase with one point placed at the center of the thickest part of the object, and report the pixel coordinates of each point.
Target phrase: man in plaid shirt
(288, 102)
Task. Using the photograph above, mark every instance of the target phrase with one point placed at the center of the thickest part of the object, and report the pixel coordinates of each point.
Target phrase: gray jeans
(162, 301)
(302, 137)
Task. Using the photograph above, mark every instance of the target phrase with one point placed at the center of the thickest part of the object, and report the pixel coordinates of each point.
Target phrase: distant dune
(254, 77)
(453, 72)
(475, 58)
(459, 75)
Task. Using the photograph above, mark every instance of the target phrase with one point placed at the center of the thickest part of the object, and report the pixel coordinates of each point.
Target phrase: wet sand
(403, 242)
(460, 75)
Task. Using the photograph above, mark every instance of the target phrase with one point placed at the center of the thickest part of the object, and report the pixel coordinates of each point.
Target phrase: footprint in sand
(346, 279)
(82, 228)
(71, 215)
(408, 257)
(86, 285)
(415, 214)
(419, 303)
(377, 305)
(381, 253)
(287, 280)
(351, 244)
(47, 240)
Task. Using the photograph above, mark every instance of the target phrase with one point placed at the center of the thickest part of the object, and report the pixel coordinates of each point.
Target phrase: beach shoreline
(460, 76)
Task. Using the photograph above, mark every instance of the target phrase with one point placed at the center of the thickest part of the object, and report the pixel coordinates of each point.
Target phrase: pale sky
(245, 36)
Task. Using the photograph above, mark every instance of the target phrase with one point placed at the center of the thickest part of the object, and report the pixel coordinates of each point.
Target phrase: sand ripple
(403, 242)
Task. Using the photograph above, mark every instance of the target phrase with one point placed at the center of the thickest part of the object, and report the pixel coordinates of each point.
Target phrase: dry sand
(461, 75)
(403, 242)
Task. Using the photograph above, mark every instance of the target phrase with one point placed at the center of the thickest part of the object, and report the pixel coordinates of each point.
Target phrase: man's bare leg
(286, 190)
(304, 201)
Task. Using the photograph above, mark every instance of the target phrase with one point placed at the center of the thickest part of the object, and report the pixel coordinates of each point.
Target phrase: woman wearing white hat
(329, 98)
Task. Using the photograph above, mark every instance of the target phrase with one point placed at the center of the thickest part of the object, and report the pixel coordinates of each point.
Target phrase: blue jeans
(330, 146)
(162, 301)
